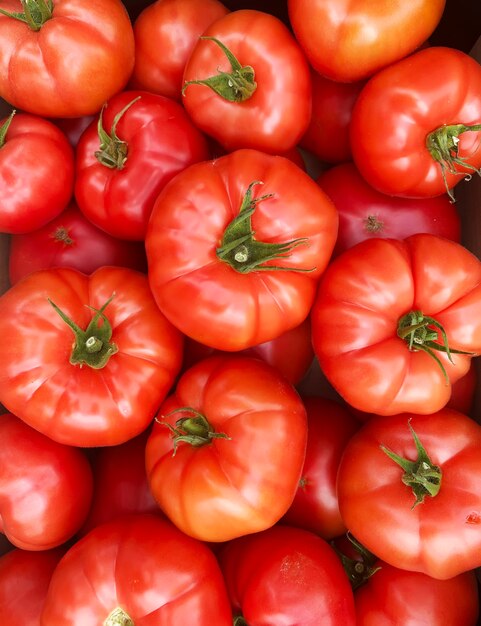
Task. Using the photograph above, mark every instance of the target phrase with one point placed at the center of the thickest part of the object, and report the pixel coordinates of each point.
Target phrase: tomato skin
(83, 406)
(144, 565)
(361, 299)
(401, 105)
(46, 487)
(76, 61)
(161, 142)
(366, 213)
(36, 173)
(268, 575)
(350, 40)
(235, 310)
(329, 426)
(229, 487)
(440, 537)
(71, 240)
(396, 597)
(275, 117)
(174, 27)
(24, 580)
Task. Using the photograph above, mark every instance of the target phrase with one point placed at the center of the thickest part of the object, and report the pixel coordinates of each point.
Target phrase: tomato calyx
(239, 621)
(92, 346)
(62, 235)
(35, 13)
(194, 430)
(372, 224)
(442, 144)
(237, 85)
(118, 617)
(359, 569)
(4, 128)
(421, 475)
(113, 150)
(242, 251)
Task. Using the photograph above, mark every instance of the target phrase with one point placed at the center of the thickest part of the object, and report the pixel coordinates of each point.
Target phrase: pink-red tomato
(225, 455)
(36, 172)
(45, 487)
(173, 26)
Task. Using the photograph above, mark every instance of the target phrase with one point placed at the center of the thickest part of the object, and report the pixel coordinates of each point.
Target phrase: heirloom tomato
(85, 360)
(348, 40)
(139, 570)
(395, 323)
(247, 83)
(36, 172)
(408, 490)
(64, 58)
(45, 487)
(416, 125)
(226, 452)
(235, 248)
(123, 160)
(286, 576)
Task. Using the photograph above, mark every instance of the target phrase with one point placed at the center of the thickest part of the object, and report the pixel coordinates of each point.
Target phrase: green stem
(421, 475)
(442, 144)
(194, 430)
(92, 346)
(360, 569)
(4, 128)
(118, 617)
(113, 151)
(242, 251)
(237, 85)
(239, 620)
(35, 13)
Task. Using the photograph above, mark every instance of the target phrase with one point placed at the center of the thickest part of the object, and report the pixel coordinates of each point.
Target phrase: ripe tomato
(286, 575)
(225, 455)
(137, 570)
(36, 172)
(67, 58)
(45, 487)
(416, 125)
(258, 98)
(143, 140)
(97, 376)
(348, 40)
(421, 511)
(366, 213)
(173, 26)
(201, 248)
(379, 318)
(71, 240)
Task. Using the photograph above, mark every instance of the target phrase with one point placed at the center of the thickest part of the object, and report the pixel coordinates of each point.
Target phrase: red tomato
(72, 57)
(225, 455)
(137, 570)
(36, 172)
(71, 240)
(286, 576)
(173, 26)
(327, 135)
(425, 515)
(348, 40)
(415, 127)
(201, 248)
(73, 127)
(365, 213)
(146, 140)
(379, 317)
(24, 580)
(97, 377)
(45, 487)
(329, 427)
(120, 483)
(256, 93)
(291, 353)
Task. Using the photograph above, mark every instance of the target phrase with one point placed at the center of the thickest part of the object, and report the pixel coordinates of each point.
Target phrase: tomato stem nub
(358, 570)
(118, 617)
(113, 151)
(92, 346)
(442, 144)
(237, 85)
(421, 475)
(35, 13)
(194, 430)
(242, 251)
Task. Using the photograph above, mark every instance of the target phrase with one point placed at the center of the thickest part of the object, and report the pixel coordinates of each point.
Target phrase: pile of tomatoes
(239, 323)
